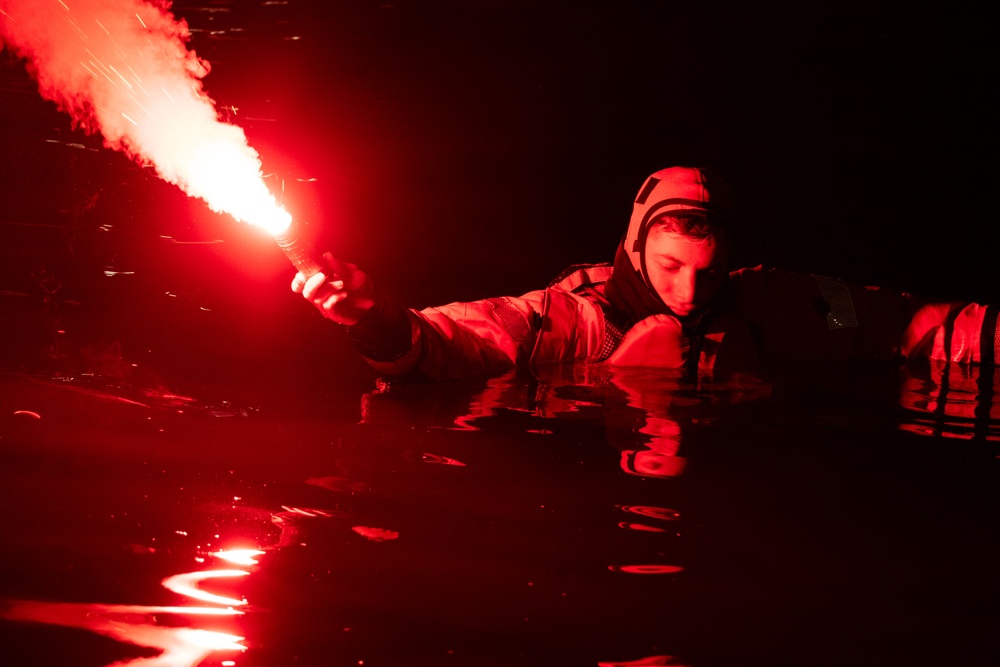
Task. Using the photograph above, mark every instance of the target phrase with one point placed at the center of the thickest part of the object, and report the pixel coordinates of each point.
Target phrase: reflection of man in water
(668, 301)
(640, 412)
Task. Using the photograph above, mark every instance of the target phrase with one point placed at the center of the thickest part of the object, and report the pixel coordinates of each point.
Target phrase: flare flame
(122, 68)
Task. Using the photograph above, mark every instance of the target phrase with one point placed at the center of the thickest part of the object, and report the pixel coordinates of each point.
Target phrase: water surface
(580, 518)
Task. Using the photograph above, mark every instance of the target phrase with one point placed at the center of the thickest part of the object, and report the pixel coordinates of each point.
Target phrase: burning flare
(122, 68)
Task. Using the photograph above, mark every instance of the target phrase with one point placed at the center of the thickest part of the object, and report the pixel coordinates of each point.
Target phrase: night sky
(459, 150)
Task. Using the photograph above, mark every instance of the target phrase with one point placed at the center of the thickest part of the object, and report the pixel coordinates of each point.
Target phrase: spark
(124, 80)
(90, 70)
(138, 103)
(306, 512)
(101, 69)
(78, 29)
(137, 79)
(188, 145)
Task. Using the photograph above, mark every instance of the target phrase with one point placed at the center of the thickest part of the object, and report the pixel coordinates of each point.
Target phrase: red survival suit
(611, 314)
(765, 316)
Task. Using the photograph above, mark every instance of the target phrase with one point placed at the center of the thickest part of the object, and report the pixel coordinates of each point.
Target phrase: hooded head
(687, 211)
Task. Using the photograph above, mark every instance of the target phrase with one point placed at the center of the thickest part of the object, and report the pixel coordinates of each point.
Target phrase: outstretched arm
(454, 340)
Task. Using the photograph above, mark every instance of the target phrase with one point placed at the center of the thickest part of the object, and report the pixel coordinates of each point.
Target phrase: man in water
(669, 301)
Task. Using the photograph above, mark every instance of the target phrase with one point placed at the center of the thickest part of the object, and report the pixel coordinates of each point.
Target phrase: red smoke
(122, 68)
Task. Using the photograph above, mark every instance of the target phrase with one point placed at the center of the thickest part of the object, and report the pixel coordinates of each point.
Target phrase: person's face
(685, 272)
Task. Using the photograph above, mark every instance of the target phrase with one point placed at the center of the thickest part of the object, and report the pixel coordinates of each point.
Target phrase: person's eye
(669, 269)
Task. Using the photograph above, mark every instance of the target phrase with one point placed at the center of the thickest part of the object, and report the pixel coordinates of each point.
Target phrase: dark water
(165, 402)
(580, 518)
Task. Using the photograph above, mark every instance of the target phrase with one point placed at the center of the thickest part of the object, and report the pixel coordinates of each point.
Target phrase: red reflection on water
(640, 526)
(434, 458)
(375, 534)
(239, 556)
(187, 584)
(140, 624)
(650, 661)
(652, 512)
(646, 569)
(134, 624)
(336, 483)
(652, 463)
(290, 521)
(949, 401)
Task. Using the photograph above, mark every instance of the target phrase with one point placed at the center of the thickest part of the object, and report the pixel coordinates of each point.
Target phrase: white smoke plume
(122, 68)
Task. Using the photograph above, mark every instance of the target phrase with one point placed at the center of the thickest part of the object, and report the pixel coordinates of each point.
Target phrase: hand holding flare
(339, 290)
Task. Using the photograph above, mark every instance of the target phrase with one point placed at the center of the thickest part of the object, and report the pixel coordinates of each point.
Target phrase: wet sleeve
(797, 317)
(454, 340)
(802, 317)
(384, 332)
(492, 335)
(468, 338)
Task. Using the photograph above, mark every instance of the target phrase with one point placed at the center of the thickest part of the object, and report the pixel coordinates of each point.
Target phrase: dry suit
(609, 313)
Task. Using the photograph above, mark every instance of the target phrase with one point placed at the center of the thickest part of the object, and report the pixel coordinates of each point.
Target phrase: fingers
(332, 300)
(311, 287)
(342, 292)
(335, 264)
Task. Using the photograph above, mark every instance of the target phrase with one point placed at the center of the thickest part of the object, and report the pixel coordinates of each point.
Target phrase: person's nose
(687, 284)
